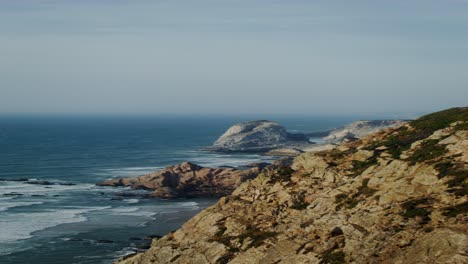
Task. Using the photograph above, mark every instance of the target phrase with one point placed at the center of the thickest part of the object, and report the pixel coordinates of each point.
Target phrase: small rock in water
(12, 194)
(104, 241)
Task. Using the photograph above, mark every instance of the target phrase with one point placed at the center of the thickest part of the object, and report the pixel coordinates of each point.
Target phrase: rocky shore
(395, 196)
(188, 180)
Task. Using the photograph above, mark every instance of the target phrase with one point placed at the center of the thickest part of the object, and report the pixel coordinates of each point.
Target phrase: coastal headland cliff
(395, 196)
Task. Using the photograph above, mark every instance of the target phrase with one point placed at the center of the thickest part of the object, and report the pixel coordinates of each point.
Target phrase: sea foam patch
(20, 226)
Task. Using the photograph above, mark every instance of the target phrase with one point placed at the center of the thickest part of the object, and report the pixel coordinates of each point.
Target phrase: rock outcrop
(397, 196)
(257, 136)
(361, 128)
(187, 180)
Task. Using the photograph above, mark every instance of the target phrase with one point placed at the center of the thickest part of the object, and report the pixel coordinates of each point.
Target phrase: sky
(233, 56)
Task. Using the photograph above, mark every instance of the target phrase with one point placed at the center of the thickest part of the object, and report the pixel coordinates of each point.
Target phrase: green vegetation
(299, 203)
(360, 166)
(422, 128)
(332, 257)
(428, 150)
(225, 258)
(350, 201)
(417, 208)
(364, 189)
(455, 210)
(457, 174)
(283, 173)
(257, 236)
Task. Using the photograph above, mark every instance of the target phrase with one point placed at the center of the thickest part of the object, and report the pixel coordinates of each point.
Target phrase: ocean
(71, 220)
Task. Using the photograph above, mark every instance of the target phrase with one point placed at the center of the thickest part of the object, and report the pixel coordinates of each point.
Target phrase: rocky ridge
(187, 180)
(396, 196)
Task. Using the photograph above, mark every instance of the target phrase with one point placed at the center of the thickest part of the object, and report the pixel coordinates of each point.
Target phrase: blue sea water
(75, 221)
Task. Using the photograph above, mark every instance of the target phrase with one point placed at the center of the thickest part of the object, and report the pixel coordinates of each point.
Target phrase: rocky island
(258, 136)
(270, 138)
(395, 196)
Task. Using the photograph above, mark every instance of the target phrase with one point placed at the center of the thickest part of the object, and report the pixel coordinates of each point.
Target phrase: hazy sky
(229, 56)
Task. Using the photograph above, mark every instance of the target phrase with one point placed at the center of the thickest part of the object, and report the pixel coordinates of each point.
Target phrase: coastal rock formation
(396, 196)
(189, 180)
(361, 128)
(257, 136)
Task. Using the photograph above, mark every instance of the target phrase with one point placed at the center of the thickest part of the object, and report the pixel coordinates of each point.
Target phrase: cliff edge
(396, 196)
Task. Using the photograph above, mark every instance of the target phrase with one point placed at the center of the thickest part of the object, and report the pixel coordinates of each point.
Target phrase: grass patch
(226, 258)
(283, 173)
(350, 201)
(257, 236)
(299, 203)
(364, 189)
(417, 208)
(360, 166)
(332, 257)
(428, 150)
(455, 210)
(457, 174)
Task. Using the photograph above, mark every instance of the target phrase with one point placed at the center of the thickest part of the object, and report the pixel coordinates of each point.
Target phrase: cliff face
(257, 136)
(397, 196)
(189, 180)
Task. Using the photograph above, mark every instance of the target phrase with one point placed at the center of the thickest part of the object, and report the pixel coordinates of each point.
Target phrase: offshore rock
(258, 136)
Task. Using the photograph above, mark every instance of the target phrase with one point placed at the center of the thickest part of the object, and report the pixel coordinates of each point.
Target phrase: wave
(20, 226)
(22, 188)
(125, 172)
(131, 201)
(136, 211)
(8, 203)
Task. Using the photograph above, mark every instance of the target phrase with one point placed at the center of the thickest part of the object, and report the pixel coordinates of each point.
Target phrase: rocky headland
(395, 196)
(187, 180)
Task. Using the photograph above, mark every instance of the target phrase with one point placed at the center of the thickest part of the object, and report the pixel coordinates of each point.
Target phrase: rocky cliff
(397, 196)
(257, 136)
(189, 180)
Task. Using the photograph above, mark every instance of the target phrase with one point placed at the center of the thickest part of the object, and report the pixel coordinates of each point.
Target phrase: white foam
(216, 160)
(132, 211)
(131, 201)
(36, 189)
(6, 204)
(126, 171)
(19, 226)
